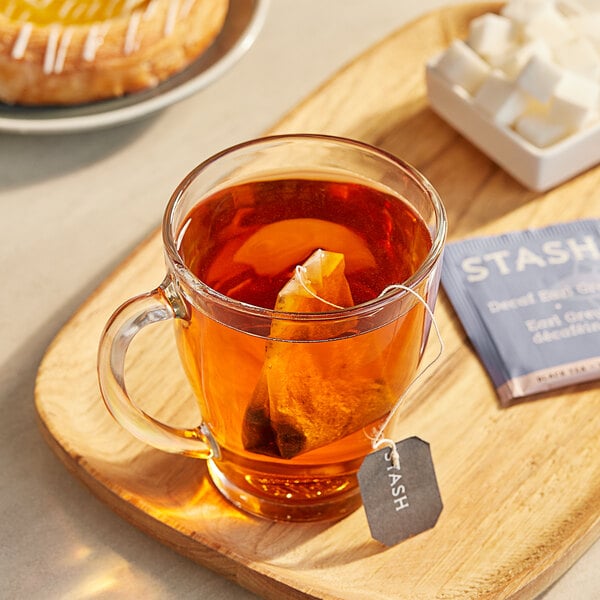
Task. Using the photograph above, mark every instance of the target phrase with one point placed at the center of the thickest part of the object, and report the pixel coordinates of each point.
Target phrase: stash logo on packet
(530, 304)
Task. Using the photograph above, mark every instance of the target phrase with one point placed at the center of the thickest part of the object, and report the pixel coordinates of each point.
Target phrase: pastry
(64, 52)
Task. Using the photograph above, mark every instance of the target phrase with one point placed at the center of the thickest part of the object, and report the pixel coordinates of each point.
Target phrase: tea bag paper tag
(400, 502)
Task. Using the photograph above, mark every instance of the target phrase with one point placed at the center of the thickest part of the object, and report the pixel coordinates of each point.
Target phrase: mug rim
(198, 286)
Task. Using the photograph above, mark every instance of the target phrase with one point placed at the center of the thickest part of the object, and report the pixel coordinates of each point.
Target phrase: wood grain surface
(521, 486)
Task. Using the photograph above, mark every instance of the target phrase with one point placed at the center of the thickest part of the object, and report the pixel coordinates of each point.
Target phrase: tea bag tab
(400, 502)
(313, 391)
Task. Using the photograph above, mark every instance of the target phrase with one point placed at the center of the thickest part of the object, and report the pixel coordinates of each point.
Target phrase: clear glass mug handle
(159, 305)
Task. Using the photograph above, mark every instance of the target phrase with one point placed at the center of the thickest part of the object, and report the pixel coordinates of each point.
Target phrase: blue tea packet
(530, 304)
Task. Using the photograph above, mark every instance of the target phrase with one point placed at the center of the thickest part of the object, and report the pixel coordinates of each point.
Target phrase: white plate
(539, 169)
(244, 20)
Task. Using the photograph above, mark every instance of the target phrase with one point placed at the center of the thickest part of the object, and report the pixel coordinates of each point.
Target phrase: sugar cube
(500, 99)
(461, 65)
(540, 130)
(539, 78)
(523, 11)
(588, 26)
(550, 26)
(579, 55)
(491, 34)
(513, 62)
(578, 6)
(575, 101)
(497, 60)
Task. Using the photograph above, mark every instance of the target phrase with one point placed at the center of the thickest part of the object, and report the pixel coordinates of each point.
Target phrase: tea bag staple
(313, 392)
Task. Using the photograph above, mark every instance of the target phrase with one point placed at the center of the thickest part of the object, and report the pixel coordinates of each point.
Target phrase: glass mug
(290, 397)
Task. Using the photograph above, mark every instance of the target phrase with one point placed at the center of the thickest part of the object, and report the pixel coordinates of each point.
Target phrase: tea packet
(530, 304)
(312, 392)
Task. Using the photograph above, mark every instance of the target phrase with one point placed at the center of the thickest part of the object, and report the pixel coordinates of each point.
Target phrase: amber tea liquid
(340, 379)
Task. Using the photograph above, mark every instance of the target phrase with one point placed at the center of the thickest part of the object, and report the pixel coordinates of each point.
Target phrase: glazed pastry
(63, 52)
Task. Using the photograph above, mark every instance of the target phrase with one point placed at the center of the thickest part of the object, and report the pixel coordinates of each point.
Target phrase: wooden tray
(521, 486)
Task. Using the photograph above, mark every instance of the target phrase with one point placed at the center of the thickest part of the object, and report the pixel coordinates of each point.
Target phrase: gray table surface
(72, 207)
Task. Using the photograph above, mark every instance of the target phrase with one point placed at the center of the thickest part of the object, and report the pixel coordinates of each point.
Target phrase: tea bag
(314, 392)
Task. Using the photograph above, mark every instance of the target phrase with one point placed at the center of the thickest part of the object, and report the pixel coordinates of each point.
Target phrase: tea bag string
(305, 282)
(378, 440)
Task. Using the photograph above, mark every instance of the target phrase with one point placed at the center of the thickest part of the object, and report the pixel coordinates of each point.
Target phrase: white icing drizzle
(65, 8)
(187, 7)
(171, 17)
(10, 9)
(39, 3)
(111, 7)
(63, 48)
(132, 29)
(129, 5)
(59, 39)
(93, 41)
(50, 55)
(92, 9)
(18, 50)
(150, 9)
(78, 11)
